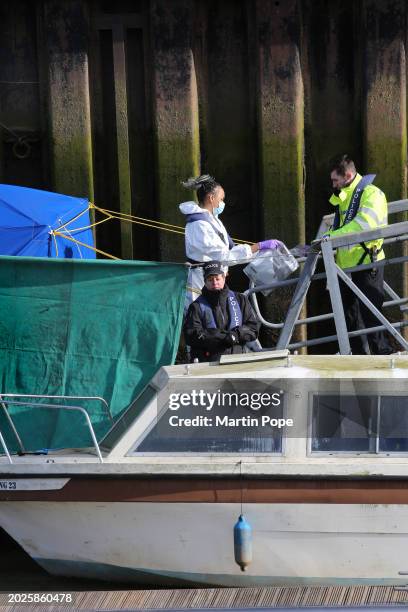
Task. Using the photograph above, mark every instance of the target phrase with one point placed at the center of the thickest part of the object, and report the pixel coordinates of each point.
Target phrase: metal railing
(5, 403)
(393, 233)
(87, 398)
(6, 451)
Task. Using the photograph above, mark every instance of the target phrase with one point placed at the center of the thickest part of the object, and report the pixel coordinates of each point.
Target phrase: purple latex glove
(269, 244)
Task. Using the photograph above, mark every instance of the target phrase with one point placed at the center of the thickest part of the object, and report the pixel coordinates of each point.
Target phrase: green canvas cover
(83, 327)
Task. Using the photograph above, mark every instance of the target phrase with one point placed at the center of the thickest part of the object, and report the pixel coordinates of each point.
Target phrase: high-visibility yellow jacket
(371, 214)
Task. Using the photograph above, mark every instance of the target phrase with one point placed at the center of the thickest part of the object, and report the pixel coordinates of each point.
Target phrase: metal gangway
(324, 250)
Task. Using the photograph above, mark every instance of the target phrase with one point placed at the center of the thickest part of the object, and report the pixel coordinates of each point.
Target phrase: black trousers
(358, 316)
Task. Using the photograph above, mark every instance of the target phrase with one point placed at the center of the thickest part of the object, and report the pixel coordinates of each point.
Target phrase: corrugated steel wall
(119, 101)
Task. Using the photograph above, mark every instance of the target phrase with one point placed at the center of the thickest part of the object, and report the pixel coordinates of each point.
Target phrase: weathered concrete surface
(122, 136)
(20, 100)
(65, 33)
(385, 125)
(385, 130)
(281, 124)
(330, 68)
(281, 129)
(259, 93)
(175, 114)
(222, 36)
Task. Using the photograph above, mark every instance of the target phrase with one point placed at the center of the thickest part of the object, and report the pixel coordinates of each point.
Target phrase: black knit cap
(213, 267)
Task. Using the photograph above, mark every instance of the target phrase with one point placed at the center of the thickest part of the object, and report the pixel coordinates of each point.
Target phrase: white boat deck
(322, 467)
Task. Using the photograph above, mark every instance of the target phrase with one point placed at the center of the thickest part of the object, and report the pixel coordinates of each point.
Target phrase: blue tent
(28, 218)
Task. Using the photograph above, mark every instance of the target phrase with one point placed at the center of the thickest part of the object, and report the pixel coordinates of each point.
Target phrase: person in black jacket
(220, 321)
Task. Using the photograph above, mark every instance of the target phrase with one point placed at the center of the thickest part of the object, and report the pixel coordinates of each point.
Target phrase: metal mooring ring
(21, 149)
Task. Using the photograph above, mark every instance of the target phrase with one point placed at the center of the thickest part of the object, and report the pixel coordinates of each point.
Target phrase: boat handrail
(65, 397)
(6, 403)
(392, 233)
(4, 445)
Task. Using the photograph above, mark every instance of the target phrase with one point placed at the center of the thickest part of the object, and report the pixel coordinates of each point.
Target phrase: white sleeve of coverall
(204, 244)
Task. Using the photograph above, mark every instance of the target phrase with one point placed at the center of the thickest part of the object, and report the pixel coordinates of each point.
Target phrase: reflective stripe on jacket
(234, 310)
(372, 213)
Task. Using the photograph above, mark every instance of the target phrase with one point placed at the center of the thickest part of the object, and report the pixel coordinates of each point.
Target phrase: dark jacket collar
(215, 297)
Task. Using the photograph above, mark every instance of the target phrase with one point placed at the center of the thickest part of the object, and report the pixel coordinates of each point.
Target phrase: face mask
(217, 211)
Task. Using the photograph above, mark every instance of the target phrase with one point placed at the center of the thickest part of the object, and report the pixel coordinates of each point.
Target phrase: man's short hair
(342, 164)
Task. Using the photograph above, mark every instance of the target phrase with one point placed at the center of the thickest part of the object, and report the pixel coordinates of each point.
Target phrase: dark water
(18, 572)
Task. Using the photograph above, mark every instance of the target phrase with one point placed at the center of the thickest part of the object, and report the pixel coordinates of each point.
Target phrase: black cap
(213, 267)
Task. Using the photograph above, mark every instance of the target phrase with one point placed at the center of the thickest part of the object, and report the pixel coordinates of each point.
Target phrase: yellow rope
(80, 229)
(74, 218)
(119, 216)
(55, 242)
(111, 214)
(159, 224)
(116, 212)
(66, 237)
(166, 229)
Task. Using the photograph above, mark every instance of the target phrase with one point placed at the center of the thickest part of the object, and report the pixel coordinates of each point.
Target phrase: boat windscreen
(258, 416)
(217, 416)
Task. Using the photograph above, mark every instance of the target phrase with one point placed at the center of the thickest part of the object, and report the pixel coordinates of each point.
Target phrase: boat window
(228, 426)
(393, 424)
(359, 423)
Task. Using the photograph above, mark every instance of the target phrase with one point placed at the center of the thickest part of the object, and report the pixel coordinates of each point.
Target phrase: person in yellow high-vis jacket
(360, 206)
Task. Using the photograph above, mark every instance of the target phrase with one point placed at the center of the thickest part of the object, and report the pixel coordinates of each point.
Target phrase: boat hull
(180, 543)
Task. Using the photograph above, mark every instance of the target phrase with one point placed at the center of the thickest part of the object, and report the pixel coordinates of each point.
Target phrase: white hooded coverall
(204, 243)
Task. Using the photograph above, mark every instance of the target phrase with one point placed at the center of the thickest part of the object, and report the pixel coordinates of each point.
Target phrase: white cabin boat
(313, 449)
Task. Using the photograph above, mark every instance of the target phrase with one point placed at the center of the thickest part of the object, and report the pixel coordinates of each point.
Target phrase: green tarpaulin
(83, 327)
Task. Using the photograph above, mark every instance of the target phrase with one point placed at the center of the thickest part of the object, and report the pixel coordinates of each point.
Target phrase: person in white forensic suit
(206, 237)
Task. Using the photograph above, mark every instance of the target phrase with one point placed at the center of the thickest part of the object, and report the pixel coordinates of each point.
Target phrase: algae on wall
(259, 94)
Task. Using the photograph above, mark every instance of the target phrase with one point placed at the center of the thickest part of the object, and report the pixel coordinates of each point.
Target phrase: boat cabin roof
(269, 414)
